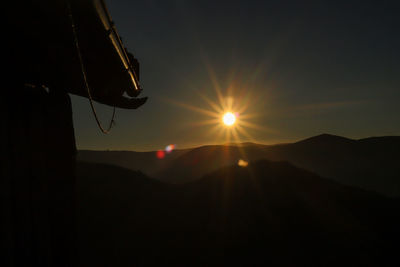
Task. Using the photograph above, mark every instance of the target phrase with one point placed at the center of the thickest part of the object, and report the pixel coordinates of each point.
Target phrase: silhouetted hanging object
(84, 75)
(43, 50)
(130, 64)
(102, 48)
(121, 50)
(127, 61)
(109, 70)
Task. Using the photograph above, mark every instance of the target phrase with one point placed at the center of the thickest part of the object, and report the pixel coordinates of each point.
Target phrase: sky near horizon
(301, 68)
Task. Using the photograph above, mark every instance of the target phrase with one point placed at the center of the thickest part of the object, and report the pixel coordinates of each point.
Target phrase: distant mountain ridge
(146, 162)
(326, 138)
(370, 163)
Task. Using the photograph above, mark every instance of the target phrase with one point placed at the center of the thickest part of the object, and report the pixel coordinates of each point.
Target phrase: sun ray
(212, 104)
(220, 133)
(242, 108)
(236, 99)
(216, 129)
(242, 131)
(205, 122)
(242, 151)
(256, 127)
(244, 104)
(193, 108)
(214, 81)
(228, 135)
(249, 115)
(238, 140)
(229, 103)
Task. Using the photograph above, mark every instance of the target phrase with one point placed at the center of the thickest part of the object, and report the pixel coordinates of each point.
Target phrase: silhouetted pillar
(38, 179)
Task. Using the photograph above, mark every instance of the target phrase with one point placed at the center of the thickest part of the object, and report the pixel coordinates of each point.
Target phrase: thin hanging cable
(76, 41)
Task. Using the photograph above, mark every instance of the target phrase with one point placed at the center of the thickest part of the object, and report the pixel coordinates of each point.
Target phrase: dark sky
(304, 68)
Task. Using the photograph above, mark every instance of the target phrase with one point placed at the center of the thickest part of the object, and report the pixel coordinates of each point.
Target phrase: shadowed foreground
(268, 213)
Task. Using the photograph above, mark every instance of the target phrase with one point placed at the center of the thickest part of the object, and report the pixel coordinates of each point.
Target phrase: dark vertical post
(38, 179)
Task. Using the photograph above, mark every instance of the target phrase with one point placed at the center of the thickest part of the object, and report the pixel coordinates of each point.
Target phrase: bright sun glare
(228, 115)
(229, 118)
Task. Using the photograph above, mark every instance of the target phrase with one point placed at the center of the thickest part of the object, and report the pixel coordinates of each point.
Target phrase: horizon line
(189, 147)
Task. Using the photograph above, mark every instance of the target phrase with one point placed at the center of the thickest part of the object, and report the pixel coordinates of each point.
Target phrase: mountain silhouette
(146, 162)
(326, 139)
(370, 163)
(269, 213)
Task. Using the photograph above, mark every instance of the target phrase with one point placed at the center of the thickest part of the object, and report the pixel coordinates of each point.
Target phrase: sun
(229, 115)
(229, 118)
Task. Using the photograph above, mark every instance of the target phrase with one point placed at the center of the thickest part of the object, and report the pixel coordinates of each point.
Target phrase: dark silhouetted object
(50, 49)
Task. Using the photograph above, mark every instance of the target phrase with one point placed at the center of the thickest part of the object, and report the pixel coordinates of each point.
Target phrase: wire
(76, 41)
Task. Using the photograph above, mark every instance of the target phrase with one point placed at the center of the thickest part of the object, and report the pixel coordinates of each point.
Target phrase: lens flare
(160, 154)
(242, 163)
(169, 148)
(229, 118)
